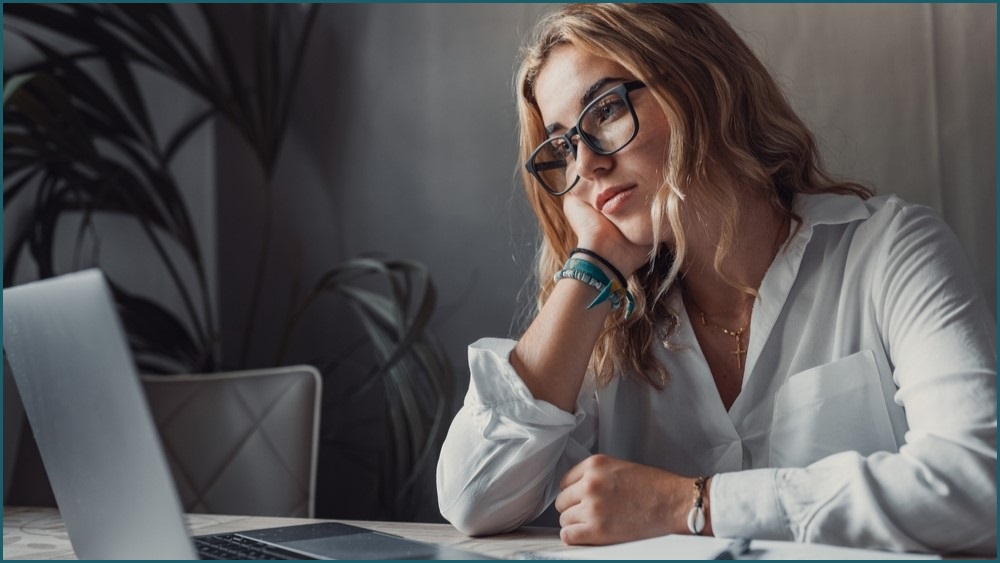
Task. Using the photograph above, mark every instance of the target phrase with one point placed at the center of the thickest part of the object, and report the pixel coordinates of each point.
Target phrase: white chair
(241, 442)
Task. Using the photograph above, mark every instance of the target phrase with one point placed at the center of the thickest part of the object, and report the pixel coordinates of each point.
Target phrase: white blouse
(867, 416)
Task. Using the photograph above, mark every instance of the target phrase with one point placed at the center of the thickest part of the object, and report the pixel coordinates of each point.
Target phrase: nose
(591, 165)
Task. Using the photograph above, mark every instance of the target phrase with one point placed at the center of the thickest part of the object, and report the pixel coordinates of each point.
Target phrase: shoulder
(881, 241)
(893, 210)
(915, 257)
(901, 227)
(880, 220)
(832, 209)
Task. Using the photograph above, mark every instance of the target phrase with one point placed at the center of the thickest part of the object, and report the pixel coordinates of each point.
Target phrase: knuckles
(590, 485)
(597, 461)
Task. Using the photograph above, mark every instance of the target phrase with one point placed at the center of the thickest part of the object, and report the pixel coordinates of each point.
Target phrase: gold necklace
(737, 334)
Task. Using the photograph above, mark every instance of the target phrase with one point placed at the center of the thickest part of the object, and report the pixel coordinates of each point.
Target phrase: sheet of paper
(701, 547)
(663, 547)
(763, 549)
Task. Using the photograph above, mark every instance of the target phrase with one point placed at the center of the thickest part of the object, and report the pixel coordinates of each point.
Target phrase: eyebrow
(587, 97)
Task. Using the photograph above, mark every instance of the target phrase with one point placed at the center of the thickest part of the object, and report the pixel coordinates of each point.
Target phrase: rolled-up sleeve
(938, 493)
(505, 451)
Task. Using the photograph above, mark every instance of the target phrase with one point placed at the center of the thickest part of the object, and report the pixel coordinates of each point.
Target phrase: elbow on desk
(478, 528)
(481, 509)
(479, 519)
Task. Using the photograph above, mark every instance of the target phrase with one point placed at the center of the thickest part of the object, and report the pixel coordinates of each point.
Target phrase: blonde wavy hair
(730, 126)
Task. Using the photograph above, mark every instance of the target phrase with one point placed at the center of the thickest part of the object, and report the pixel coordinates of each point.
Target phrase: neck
(760, 233)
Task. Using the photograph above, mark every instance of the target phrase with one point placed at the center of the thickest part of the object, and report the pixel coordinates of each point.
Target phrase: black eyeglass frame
(622, 90)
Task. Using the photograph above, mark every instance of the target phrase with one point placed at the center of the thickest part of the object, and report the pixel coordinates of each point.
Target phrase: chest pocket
(829, 409)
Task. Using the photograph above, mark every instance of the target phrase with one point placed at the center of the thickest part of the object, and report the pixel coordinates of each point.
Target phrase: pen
(735, 549)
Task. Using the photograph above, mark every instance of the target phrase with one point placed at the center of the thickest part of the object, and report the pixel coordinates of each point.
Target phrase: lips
(611, 198)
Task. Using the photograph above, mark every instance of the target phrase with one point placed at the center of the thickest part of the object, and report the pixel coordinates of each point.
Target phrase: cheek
(655, 145)
(638, 227)
(650, 155)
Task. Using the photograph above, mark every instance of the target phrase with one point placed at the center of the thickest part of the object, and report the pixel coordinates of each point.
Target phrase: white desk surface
(38, 533)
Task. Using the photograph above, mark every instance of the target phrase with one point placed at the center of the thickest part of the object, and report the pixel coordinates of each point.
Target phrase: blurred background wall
(402, 142)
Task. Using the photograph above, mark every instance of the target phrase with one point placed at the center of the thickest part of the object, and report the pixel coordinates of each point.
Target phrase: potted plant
(80, 144)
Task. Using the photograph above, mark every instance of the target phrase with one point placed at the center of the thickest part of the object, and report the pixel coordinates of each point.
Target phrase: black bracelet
(599, 258)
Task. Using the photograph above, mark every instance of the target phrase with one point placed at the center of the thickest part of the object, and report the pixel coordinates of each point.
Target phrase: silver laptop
(82, 394)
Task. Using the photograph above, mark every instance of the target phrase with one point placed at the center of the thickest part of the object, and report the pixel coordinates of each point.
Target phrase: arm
(552, 356)
(505, 450)
(939, 492)
(554, 352)
(511, 441)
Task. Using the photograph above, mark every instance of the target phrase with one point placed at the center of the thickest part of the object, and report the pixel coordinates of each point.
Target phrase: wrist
(708, 509)
(606, 265)
(592, 274)
(614, 254)
(698, 514)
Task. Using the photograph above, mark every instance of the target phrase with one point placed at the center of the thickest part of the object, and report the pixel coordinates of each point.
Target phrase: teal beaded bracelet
(593, 276)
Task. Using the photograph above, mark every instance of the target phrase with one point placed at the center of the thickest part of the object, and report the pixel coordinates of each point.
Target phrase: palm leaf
(13, 85)
(57, 132)
(408, 365)
(154, 334)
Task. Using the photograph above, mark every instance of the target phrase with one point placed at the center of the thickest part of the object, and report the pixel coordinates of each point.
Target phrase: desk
(38, 533)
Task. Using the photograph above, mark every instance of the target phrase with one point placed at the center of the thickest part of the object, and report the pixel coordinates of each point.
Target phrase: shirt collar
(829, 209)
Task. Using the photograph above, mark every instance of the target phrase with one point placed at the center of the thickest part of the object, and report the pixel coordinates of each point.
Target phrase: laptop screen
(82, 395)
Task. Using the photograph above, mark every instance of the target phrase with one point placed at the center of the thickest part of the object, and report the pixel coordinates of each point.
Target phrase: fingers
(606, 500)
(574, 490)
(573, 475)
(595, 462)
(589, 225)
(578, 503)
(579, 524)
(596, 232)
(566, 499)
(578, 534)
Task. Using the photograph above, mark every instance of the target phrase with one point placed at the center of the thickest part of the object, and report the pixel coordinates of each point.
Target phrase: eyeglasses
(607, 125)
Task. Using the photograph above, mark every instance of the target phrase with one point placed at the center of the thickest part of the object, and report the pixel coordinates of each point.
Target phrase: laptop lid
(99, 443)
(95, 434)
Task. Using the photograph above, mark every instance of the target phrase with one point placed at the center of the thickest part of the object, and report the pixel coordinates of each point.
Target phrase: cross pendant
(739, 351)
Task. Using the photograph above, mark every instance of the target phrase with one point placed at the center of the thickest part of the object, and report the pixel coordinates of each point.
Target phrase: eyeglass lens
(606, 125)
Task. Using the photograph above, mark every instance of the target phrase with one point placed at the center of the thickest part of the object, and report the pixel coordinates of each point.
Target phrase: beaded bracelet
(615, 271)
(593, 276)
(602, 260)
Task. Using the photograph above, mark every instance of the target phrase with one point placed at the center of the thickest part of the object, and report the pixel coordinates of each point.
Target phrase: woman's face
(620, 186)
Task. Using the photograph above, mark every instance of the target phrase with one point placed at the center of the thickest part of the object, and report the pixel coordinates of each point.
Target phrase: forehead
(566, 76)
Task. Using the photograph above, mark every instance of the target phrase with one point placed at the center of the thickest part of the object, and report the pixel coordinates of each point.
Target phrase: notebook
(97, 439)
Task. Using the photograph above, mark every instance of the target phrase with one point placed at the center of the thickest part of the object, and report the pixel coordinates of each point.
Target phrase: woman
(727, 341)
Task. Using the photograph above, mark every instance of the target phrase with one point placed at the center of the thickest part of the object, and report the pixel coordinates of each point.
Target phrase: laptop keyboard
(232, 546)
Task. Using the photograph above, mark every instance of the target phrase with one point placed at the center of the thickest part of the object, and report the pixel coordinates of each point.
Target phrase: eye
(561, 148)
(607, 109)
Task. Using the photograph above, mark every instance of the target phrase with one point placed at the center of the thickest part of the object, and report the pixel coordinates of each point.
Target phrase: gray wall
(903, 97)
(403, 144)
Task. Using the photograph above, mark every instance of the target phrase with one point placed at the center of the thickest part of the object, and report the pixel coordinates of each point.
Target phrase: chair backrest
(241, 442)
